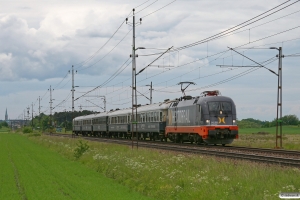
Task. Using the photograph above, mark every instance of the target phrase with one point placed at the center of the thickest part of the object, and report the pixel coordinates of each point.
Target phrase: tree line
(59, 119)
(255, 123)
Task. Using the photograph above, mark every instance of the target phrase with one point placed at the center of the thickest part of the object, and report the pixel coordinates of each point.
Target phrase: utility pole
(32, 115)
(51, 108)
(73, 90)
(134, 99)
(40, 113)
(28, 108)
(104, 101)
(24, 119)
(66, 120)
(150, 92)
(279, 99)
(134, 92)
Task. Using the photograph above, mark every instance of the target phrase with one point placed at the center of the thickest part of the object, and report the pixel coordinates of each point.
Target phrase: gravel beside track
(272, 156)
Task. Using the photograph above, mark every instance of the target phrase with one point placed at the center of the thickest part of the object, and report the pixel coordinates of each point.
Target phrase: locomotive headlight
(233, 122)
(207, 121)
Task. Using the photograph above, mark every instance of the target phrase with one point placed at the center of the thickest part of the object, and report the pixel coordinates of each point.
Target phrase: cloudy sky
(41, 40)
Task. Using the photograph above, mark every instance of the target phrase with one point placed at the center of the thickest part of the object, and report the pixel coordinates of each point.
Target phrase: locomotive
(209, 119)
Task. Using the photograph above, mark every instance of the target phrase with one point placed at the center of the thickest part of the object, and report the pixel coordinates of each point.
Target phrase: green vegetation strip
(170, 175)
(270, 130)
(265, 137)
(31, 171)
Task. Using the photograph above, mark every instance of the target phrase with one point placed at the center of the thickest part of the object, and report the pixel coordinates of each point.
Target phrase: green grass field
(265, 137)
(272, 130)
(171, 175)
(31, 171)
(4, 130)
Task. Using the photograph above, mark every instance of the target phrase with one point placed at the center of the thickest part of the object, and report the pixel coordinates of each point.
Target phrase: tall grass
(169, 175)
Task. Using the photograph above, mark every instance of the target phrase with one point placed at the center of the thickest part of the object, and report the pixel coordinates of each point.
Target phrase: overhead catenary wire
(92, 56)
(106, 53)
(254, 68)
(108, 80)
(145, 7)
(239, 26)
(60, 81)
(214, 59)
(158, 9)
(205, 57)
(230, 30)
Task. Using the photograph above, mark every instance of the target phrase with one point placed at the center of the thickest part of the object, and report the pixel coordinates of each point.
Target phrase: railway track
(271, 156)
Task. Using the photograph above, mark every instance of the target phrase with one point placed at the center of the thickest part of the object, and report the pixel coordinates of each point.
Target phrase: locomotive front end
(219, 114)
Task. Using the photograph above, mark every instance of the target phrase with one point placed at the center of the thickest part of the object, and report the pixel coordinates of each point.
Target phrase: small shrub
(27, 130)
(80, 149)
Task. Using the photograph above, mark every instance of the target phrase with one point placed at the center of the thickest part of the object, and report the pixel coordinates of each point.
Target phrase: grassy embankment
(265, 137)
(170, 175)
(31, 171)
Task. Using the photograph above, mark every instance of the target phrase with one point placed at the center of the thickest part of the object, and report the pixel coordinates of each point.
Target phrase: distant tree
(59, 118)
(287, 120)
(250, 123)
(266, 124)
(4, 124)
(290, 120)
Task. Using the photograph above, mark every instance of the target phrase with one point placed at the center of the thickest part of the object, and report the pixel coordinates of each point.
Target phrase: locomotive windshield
(217, 106)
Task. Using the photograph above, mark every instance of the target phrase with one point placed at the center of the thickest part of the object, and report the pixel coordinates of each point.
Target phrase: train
(206, 119)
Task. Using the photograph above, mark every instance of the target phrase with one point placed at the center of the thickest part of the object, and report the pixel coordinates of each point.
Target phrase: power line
(145, 8)
(230, 30)
(107, 53)
(61, 81)
(92, 56)
(237, 27)
(108, 80)
(159, 9)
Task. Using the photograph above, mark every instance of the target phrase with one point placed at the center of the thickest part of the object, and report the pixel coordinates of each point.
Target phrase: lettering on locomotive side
(151, 126)
(181, 116)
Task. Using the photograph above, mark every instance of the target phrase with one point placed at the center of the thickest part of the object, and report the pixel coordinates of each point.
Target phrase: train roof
(215, 98)
(126, 111)
(144, 108)
(198, 100)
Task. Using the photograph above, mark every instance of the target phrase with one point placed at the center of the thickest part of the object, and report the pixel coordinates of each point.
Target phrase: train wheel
(223, 145)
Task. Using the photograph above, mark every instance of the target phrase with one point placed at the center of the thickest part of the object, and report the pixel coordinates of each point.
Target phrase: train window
(214, 106)
(226, 106)
(160, 116)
